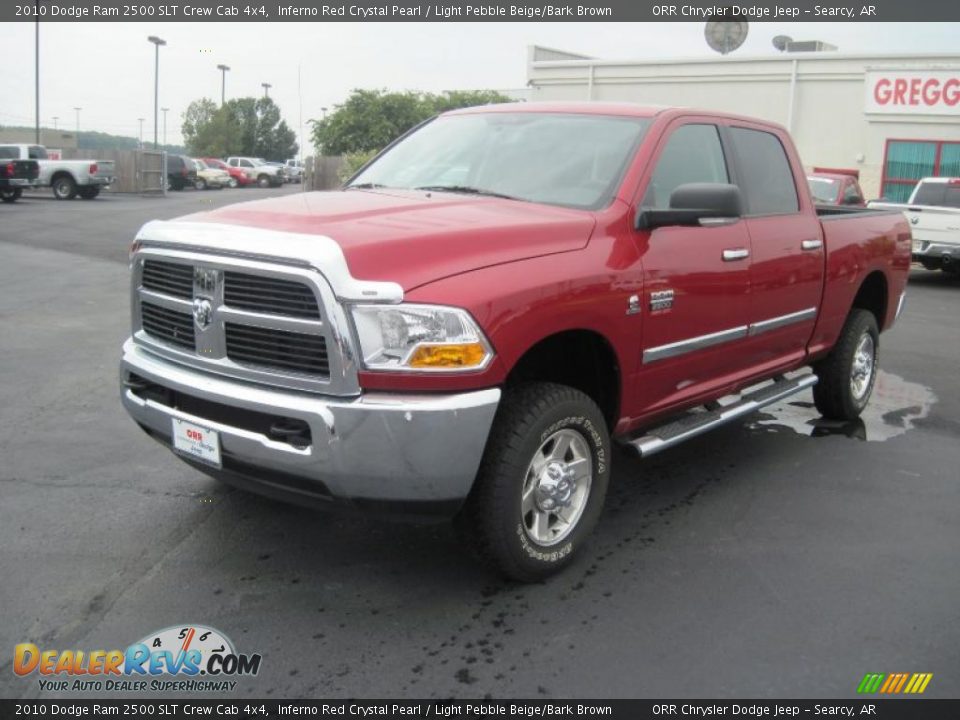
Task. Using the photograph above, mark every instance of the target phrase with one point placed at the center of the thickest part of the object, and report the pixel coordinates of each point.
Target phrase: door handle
(815, 244)
(735, 254)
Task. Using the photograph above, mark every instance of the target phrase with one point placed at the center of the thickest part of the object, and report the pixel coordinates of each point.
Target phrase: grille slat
(168, 325)
(270, 295)
(169, 278)
(278, 348)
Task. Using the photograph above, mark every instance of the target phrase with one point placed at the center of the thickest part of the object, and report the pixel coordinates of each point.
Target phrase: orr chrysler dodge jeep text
(468, 324)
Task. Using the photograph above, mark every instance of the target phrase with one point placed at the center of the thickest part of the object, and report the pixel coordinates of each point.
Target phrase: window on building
(908, 161)
(767, 182)
(693, 154)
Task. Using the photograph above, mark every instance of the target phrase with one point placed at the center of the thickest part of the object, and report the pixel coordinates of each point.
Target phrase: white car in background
(933, 212)
(294, 170)
(257, 169)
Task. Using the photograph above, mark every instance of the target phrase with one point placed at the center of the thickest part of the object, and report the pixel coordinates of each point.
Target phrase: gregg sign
(913, 92)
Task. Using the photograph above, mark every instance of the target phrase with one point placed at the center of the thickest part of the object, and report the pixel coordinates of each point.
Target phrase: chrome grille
(249, 319)
(168, 325)
(168, 278)
(269, 295)
(297, 352)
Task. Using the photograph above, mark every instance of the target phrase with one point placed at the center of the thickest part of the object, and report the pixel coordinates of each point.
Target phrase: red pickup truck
(468, 324)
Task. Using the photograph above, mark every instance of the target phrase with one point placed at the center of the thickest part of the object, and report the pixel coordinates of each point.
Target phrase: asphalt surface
(756, 561)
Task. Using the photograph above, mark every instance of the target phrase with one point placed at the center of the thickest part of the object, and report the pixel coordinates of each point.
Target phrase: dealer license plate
(197, 442)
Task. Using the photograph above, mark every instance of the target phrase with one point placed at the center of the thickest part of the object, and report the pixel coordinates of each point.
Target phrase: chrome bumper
(929, 250)
(375, 448)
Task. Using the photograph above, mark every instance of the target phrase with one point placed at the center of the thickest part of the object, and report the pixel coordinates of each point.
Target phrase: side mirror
(694, 205)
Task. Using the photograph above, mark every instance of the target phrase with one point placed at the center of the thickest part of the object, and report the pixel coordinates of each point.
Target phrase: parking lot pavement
(754, 561)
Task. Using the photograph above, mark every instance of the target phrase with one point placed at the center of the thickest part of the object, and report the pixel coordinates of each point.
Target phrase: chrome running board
(698, 422)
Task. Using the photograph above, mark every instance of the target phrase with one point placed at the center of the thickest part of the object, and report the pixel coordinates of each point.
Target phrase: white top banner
(913, 92)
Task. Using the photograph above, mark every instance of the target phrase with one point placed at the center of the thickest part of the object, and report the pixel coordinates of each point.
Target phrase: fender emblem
(661, 300)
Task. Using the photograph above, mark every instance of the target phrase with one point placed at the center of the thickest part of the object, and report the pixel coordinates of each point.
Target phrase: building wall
(826, 115)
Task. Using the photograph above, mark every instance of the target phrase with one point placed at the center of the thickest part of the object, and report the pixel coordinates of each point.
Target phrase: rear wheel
(847, 375)
(11, 195)
(88, 192)
(541, 484)
(64, 188)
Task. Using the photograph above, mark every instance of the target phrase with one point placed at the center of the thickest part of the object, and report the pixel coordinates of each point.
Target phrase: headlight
(419, 337)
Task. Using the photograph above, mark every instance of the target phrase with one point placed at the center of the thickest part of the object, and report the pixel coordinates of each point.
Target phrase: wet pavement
(779, 557)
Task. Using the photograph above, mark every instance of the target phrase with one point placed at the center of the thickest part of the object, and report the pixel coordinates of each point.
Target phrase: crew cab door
(786, 275)
(696, 279)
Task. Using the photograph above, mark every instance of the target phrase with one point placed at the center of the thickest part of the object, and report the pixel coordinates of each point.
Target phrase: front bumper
(417, 454)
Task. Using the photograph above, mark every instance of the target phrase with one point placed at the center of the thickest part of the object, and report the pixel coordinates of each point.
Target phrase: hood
(414, 237)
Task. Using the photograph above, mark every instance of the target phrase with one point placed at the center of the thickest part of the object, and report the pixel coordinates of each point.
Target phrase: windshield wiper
(364, 186)
(466, 190)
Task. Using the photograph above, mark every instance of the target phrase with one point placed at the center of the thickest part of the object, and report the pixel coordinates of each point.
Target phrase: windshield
(558, 159)
(822, 189)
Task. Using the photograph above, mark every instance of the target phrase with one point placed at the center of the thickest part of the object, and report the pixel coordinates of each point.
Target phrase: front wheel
(200, 184)
(847, 375)
(232, 182)
(11, 195)
(541, 484)
(263, 181)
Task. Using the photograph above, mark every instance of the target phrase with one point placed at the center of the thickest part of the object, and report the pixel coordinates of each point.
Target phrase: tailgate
(104, 169)
(26, 169)
(934, 224)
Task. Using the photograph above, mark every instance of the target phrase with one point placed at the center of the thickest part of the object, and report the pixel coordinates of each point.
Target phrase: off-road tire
(833, 394)
(64, 188)
(491, 522)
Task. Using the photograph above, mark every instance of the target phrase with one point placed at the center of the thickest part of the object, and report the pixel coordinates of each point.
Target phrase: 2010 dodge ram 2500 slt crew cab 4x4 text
(467, 325)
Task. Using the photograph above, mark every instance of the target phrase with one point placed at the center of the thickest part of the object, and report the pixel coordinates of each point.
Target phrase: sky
(108, 68)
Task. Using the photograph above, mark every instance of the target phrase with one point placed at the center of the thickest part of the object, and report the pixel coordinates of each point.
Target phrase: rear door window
(938, 194)
(36, 152)
(693, 154)
(766, 177)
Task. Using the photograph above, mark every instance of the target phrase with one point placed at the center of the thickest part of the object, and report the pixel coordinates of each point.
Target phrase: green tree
(372, 119)
(242, 126)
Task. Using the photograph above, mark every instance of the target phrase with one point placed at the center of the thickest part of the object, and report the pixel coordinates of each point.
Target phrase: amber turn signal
(464, 355)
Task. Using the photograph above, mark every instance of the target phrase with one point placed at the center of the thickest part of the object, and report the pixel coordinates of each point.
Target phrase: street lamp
(266, 89)
(223, 82)
(141, 132)
(36, 67)
(78, 109)
(157, 42)
(164, 110)
(55, 118)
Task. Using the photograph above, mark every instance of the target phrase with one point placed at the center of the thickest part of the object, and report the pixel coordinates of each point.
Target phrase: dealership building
(892, 118)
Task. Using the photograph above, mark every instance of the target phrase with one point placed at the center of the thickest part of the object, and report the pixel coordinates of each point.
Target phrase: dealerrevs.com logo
(180, 658)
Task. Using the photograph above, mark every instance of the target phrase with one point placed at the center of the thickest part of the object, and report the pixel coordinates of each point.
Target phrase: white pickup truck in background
(933, 212)
(67, 178)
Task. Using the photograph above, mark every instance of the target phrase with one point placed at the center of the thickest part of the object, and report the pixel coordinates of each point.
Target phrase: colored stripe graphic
(870, 683)
(894, 683)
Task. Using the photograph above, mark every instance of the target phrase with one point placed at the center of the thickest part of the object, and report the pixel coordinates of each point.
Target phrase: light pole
(157, 42)
(78, 109)
(223, 82)
(164, 110)
(141, 132)
(266, 89)
(36, 67)
(55, 118)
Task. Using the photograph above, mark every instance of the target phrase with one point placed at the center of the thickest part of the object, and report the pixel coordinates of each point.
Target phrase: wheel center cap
(555, 486)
